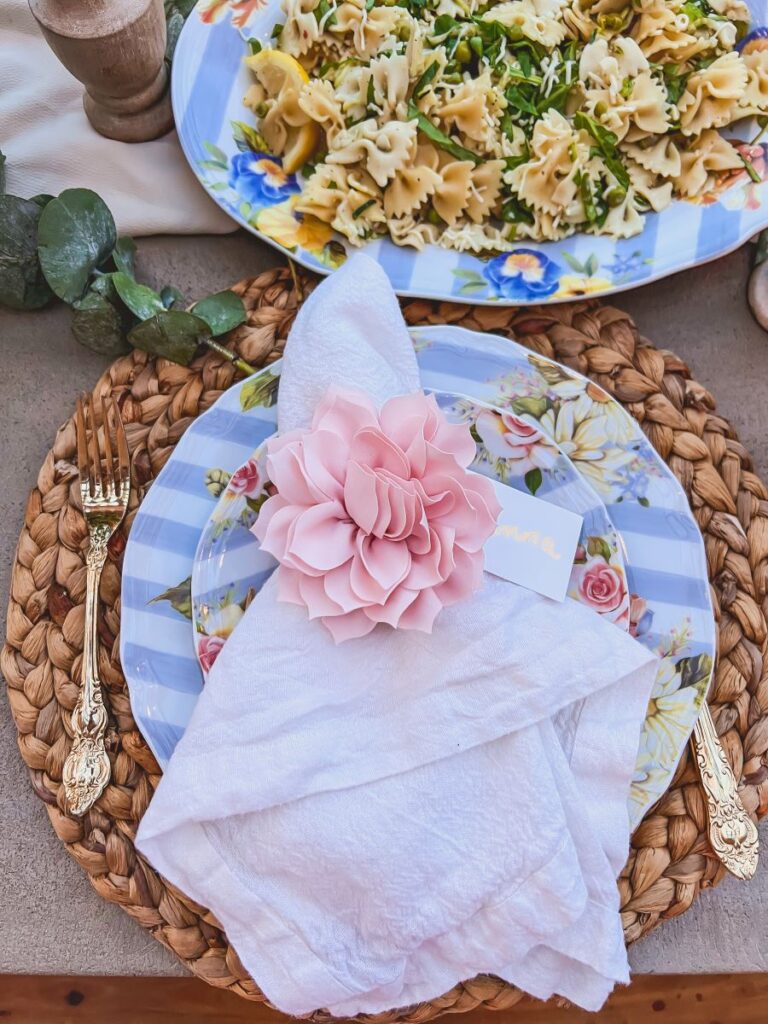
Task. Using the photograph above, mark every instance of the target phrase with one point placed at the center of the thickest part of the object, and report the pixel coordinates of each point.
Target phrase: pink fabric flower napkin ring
(376, 516)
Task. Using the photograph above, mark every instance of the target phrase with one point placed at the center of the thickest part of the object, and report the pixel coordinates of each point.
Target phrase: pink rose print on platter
(376, 517)
(640, 616)
(208, 650)
(601, 587)
(508, 437)
(247, 479)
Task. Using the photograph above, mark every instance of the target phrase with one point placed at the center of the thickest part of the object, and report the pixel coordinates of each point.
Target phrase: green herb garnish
(607, 142)
(362, 208)
(424, 82)
(434, 134)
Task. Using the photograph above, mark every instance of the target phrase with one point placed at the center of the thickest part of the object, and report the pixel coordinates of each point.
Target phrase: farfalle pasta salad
(476, 125)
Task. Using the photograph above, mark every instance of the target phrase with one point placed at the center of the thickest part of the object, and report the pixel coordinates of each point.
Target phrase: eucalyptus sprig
(67, 247)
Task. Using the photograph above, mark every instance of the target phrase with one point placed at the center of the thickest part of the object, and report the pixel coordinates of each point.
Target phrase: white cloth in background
(375, 821)
(50, 144)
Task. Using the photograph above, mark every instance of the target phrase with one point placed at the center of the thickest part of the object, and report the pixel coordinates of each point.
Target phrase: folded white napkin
(375, 821)
(50, 144)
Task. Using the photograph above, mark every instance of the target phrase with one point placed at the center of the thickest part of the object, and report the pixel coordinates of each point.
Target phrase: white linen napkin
(375, 821)
(50, 144)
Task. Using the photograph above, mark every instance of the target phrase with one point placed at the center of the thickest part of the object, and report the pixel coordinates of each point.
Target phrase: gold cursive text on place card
(543, 542)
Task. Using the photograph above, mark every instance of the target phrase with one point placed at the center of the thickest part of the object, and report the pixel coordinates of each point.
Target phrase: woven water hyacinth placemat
(670, 861)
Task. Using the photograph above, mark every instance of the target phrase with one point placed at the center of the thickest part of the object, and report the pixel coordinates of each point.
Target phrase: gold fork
(104, 497)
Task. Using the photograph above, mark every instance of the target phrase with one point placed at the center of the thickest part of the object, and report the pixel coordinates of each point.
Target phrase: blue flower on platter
(634, 484)
(259, 179)
(522, 274)
(625, 264)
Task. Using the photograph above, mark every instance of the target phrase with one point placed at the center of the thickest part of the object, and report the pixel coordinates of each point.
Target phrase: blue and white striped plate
(209, 81)
(670, 608)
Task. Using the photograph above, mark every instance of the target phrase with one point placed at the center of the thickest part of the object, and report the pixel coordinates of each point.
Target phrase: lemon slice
(274, 70)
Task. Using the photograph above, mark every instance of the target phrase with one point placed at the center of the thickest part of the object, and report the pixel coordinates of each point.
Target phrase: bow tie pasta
(474, 124)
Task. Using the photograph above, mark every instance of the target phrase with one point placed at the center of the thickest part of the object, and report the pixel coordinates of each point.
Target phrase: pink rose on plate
(376, 517)
(601, 587)
(508, 437)
(208, 650)
(247, 479)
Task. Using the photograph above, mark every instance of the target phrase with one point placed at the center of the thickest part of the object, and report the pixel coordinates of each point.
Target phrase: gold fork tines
(105, 484)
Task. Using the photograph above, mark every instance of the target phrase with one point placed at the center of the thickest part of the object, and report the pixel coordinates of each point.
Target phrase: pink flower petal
(360, 496)
(375, 450)
(422, 613)
(274, 523)
(338, 588)
(378, 567)
(326, 458)
(313, 594)
(393, 608)
(288, 473)
(348, 627)
(345, 412)
(320, 540)
(288, 585)
(464, 580)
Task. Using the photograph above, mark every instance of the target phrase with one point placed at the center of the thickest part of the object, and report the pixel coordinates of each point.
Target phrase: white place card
(534, 544)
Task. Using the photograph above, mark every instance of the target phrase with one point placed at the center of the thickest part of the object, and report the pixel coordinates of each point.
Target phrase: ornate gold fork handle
(87, 769)
(732, 832)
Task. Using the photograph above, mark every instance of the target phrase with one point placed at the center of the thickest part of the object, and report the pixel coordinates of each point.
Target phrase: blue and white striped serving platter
(208, 83)
(670, 607)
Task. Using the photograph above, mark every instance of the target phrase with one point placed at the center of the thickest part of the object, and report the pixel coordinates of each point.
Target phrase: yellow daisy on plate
(573, 286)
(283, 225)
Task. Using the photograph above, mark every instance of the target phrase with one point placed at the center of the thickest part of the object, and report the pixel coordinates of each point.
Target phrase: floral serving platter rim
(644, 500)
(207, 83)
(508, 450)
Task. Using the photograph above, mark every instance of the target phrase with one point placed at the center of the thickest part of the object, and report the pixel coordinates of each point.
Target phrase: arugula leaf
(516, 211)
(423, 83)
(360, 210)
(587, 198)
(434, 134)
(607, 142)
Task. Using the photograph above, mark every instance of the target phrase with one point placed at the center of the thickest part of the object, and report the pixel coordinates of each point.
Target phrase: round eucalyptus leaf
(171, 296)
(102, 285)
(124, 255)
(221, 311)
(173, 334)
(2, 171)
(98, 325)
(76, 234)
(139, 298)
(42, 199)
(22, 285)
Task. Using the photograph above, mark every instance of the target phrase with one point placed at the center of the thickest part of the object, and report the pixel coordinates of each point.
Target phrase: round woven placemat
(670, 861)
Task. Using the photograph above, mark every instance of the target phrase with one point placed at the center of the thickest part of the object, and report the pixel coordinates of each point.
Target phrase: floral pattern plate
(230, 567)
(666, 569)
(207, 86)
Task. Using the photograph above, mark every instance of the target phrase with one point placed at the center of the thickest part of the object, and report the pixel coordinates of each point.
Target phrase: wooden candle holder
(116, 48)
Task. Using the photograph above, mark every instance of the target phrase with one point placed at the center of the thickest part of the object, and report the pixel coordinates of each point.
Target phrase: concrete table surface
(51, 920)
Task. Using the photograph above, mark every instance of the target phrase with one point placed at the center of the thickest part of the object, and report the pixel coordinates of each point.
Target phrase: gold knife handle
(732, 832)
(87, 768)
